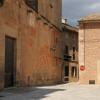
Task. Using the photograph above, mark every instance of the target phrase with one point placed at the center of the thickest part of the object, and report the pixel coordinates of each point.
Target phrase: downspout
(84, 42)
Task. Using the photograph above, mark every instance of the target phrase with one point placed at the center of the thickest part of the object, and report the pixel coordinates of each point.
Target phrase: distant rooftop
(67, 27)
(91, 17)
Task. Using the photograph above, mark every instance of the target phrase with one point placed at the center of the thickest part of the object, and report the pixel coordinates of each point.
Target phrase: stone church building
(30, 43)
(35, 47)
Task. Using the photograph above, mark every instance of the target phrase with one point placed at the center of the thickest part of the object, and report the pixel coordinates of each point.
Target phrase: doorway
(74, 72)
(9, 62)
(66, 74)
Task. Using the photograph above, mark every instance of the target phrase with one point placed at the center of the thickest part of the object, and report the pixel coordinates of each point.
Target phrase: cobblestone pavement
(59, 92)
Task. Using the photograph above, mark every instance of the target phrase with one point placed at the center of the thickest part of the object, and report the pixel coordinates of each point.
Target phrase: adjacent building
(89, 49)
(70, 52)
(30, 42)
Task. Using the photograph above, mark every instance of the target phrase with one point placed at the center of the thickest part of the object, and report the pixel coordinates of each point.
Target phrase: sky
(73, 10)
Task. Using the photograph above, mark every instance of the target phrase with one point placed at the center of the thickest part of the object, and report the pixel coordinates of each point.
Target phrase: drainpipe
(84, 42)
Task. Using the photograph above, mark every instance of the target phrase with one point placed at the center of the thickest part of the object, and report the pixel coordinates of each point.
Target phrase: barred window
(32, 4)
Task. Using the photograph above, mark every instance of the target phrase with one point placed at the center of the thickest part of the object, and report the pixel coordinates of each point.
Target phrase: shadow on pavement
(27, 93)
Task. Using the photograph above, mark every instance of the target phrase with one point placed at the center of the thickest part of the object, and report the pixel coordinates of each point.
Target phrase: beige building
(89, 49)
(70, 52)
(30, 43)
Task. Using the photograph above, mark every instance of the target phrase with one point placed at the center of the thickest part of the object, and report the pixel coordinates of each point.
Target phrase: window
(73, 56)
(32, 4)
(66, 71)
(1, 2)
(66, 50)
(91, 81)
(74, 50)
(67, 57)
(74, 72)
(51, 3)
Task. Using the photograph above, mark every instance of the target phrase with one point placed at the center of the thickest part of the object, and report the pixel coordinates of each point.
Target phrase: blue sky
(73, 10)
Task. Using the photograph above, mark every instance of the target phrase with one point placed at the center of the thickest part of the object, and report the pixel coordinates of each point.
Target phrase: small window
(73, 56)
(51, 3)
(66, 71)
(66, 50)
(32, 4)
(74, 49)
(74, 72)
(1, 2)
(74, 53)
(91, 81)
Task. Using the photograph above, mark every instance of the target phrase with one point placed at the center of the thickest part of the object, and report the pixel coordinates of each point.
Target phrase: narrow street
(59, 92)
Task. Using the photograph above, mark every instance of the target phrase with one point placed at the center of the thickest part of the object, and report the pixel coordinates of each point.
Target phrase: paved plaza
(59, 92)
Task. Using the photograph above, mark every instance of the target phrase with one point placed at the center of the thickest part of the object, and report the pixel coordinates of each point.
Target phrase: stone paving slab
(59, 92)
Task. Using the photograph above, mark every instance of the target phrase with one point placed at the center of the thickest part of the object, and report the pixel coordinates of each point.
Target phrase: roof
(91, 17)
(70, 28)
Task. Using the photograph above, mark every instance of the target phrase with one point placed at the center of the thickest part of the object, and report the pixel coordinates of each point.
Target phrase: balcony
(67, 57)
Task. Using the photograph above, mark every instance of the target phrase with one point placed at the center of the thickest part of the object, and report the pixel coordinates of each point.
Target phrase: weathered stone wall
(8, 27)
(52, 10)
(40, 59)
(38, 45)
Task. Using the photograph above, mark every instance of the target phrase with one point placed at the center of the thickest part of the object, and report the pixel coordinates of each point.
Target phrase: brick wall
(89, 39)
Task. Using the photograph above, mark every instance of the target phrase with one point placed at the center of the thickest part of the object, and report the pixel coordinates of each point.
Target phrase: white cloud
(95, 6)
(75, 9)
